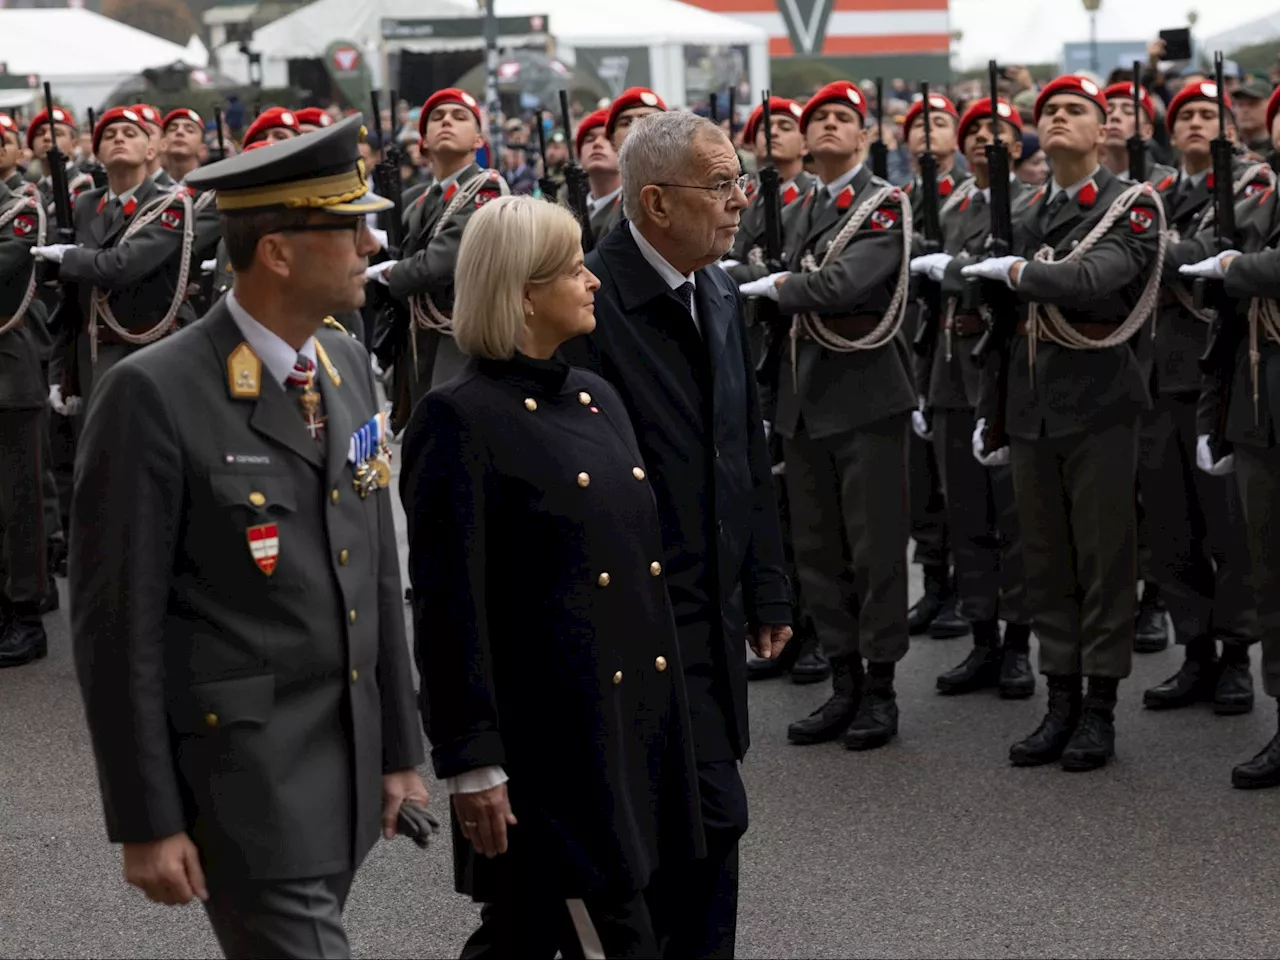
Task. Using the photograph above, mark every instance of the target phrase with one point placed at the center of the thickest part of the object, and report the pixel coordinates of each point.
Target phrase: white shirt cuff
(475, 781)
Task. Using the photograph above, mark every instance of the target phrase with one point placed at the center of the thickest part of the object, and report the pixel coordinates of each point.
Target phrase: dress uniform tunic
(544, 632)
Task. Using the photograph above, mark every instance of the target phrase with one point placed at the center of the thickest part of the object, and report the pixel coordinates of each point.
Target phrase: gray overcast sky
(1033, 31)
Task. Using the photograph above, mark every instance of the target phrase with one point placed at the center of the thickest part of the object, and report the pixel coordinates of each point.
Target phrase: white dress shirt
(674, 278)
(277, 356)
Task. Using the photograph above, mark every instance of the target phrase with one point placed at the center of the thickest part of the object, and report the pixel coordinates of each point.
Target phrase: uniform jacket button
(355, 675)
(352, 615)
(617, 678)
(637, 473)
(660, 664)
(333, 496)
(603, 579)
(655, 569)
(530, 404)
(210, 719)
(343, 557)
(584, 480)
(584, 398)
(257, 499)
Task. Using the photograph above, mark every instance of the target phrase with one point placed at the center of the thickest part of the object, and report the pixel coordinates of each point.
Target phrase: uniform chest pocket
(220, 704)
(265, 495)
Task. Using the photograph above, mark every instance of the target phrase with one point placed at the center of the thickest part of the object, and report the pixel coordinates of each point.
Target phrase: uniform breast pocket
(255, 508)
(238, 702)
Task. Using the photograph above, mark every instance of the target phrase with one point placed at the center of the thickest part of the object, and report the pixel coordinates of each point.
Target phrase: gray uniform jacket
(22, 382)
(255, 706)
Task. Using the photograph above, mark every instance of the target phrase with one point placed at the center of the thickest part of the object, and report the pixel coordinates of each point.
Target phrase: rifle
(715, 112)
(547, 185)
(931, 233)
(1136, 146)
(576, 183)
(770, 196)
(56, 161)
(222, 143)
(66, 318)
(880, 152)
(1225, 335)
(92, 165)
(1001, 305)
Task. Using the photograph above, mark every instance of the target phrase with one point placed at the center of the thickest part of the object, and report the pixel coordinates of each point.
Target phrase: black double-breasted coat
(544, 633)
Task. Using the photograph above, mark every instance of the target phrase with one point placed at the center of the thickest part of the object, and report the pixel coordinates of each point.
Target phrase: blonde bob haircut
(509, 243)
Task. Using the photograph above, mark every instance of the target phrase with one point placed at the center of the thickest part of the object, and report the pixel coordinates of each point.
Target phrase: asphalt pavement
(931, 847)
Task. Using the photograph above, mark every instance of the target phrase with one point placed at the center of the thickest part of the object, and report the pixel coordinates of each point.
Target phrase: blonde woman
(552, 692)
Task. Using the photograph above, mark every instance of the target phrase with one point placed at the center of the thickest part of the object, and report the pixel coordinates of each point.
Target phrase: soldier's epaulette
(335, 325)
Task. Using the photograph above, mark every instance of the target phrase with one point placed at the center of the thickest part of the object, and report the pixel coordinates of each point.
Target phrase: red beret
(597, 118)
(981, 110)
(118, 115)
(1124, 91)
(148, 113)
(60, 115)
(630, 99)
(1076, 86)
(314, 117)
(257, 145)
(1199, 90)
(271, 119)
(182, 113)
(776, 105)
(447, 95)
(1273, 106)
(840, 91)
(936, 102)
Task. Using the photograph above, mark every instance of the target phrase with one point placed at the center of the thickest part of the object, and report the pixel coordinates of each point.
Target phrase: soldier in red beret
(273, 124)
(632, 104)
(311, 119)
(1114, 154)
(182, 142)
(11, 155)
(39, 140)
(600, 161)
(1075, 395)
(153, 120)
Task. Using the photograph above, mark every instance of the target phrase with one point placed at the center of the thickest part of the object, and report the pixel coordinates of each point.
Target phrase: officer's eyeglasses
(722, 190)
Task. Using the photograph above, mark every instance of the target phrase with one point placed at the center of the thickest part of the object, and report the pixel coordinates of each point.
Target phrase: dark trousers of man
(23, 574)
(982, 515)
(850, 524)
(929, 515)
(280, 918)
(694, 903)
(1079, 547)
(1258, 477)
(1200, 557)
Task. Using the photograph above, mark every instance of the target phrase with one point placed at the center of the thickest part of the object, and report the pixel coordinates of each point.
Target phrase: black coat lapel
(715, 311)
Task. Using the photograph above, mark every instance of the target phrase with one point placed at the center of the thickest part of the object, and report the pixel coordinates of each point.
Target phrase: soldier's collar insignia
(244, 373)
(130, 206)
(1167, 182)
(789, 194)
(448, 194)
(1208, 181)
(329, 368)
(945, 186)
(1088, 194)
(844, 199)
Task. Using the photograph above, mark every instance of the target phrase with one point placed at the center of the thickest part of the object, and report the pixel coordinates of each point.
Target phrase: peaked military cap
(322, 171)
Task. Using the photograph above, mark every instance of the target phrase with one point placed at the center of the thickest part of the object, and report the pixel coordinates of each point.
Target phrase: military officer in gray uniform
(24, 422)
(1074, 398)
(843, 411)
(599, 161)
(236, 613)
(423, 279)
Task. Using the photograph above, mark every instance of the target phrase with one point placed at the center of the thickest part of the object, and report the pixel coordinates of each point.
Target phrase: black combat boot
(1051, 737)
(949, 623)
(833, 717)
(1194, 682)
(981, 668)
(1017, 679)
(1094, 741)
(812, 665)
(936, 594)
(1233, 693)
(50, 602)
(759, 668)
(877, 720)
(23, 639)
(1262, 771)
(1151, 631)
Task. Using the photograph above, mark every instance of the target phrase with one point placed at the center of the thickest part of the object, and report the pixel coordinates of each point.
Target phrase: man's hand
(485, 817)
(931, 265)
(167, 871)
(994, 268)
(920, 420)
(53, 252)
(396, 789)
(767, 640)
(1214, 268)
(764, 287)
(380, 271)
(1205, 461)
(996, 458)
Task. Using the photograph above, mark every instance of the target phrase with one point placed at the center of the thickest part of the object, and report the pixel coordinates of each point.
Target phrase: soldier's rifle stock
(547, 185)
(931, 233)
(575, 179)
(770, 195)
(222, 140)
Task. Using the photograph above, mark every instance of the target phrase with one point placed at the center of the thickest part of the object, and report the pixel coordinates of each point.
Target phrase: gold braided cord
(322, 202)
(300, 193)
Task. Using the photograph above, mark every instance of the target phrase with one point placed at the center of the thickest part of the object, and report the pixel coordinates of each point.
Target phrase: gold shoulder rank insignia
(325, 362)
(244, 373)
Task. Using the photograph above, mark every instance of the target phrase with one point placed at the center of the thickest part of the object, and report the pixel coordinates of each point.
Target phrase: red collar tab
(448, 194)
(1167, 182)
(844, 199)
(789, 194)
(1088, 194)
(945, 186)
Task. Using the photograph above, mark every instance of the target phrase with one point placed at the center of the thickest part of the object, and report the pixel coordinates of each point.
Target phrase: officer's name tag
(253, 459)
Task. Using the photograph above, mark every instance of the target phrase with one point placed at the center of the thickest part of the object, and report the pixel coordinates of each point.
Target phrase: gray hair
(659, 149)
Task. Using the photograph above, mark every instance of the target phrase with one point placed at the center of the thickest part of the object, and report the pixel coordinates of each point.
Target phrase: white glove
(764, 287)
(54, 252)
(920, 423)
(1205, 461)
(995, 268)
(931, 265)
(380, 236)
(208, 266)
(997, 458)
(379, 271)
(727, 264)
(68, 407)
(1211, 268)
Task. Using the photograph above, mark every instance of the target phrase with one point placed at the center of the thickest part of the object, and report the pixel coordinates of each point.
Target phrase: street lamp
(1092, 6)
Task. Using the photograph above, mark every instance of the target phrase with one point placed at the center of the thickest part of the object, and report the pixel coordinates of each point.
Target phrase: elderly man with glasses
(670, 336)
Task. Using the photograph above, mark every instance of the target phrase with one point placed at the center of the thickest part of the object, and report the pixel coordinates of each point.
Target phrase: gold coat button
(637, 473)
(210, 719)
(530, 404)
(660, 664)
(603, 579)
(257, 499)
(352, 616)
(584, 480)
(333, 496)
(343, 557)
(355, 674)
(617, 678)
(655, 569)
(584, 398)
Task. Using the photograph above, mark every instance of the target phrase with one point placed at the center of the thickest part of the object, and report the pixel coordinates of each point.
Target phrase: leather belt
(1094, 331)
(967, 325)
(852, 327)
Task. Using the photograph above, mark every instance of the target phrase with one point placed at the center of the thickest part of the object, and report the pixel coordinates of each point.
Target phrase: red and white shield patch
(264, 545)
(1253, 189)
(23, 224)
(1139, 221)
(171, 219)
(884, 219)
(484, 196)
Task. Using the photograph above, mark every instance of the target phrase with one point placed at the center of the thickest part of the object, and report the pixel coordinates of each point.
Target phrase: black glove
(417, 823)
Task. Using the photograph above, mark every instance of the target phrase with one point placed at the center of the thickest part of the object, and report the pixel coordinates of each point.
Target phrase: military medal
(368, 454)
(311, 408)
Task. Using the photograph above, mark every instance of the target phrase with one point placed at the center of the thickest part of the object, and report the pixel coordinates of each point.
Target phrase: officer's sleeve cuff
(476, 781)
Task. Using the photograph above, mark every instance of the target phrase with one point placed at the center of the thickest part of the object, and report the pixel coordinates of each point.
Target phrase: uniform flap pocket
(239, 701)
(264, 493)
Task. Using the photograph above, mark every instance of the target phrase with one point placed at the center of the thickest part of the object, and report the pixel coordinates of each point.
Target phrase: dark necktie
(301, 384)
(1051, 208)
(685, 293)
